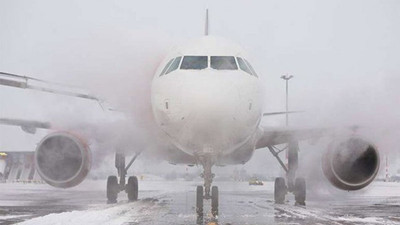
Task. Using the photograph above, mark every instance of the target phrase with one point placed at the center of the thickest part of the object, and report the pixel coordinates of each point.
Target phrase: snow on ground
(173, 202)
(116, 214)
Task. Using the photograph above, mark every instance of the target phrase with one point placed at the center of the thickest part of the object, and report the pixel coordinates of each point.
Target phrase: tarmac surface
(173, 202)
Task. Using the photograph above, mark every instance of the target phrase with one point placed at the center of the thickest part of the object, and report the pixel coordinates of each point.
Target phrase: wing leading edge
(270, 137)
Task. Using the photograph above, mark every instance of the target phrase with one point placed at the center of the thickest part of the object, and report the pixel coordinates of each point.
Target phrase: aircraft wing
(28, 126)
(26, 82)
(270, 136)
(116, 121)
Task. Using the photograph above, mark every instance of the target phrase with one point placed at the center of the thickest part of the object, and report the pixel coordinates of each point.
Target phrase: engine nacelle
(351, 164)
(62, 159)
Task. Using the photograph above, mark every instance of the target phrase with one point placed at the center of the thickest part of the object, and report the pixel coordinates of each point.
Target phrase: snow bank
(116, 214)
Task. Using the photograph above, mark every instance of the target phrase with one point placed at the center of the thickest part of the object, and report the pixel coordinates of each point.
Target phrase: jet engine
(62, 159)
(350, 164)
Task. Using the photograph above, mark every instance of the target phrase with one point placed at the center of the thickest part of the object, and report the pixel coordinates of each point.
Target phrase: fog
(343, 56)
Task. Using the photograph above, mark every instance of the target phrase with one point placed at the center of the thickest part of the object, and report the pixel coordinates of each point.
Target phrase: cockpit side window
(194, 62)
(166, 67)
(251, 68)
(174, 65)
(223, 63)
(243, 66)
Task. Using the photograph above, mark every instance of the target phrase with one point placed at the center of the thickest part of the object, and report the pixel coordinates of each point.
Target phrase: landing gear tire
(214, 201)
(112, 189)
(199, 202)
(300, 191)
(132, 188)
(280, 190)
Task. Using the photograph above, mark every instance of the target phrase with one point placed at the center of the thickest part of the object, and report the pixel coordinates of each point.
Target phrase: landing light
(3, 154)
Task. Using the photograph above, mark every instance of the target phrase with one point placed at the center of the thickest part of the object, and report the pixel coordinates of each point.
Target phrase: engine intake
(351, 164)
(62, 159)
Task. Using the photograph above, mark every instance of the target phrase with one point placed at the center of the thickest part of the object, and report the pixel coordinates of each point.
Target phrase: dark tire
(300, 191)
(199, 201)
(112, 189)
(214, 201)
(132, 188)
(280, 190)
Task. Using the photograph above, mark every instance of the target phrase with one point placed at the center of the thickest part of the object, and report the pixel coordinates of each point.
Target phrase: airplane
(207, 104)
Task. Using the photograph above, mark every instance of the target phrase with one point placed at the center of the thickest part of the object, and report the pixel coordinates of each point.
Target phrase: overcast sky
(344, 55)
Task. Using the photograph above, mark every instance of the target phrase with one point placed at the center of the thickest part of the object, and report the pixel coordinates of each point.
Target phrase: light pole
(287, 78)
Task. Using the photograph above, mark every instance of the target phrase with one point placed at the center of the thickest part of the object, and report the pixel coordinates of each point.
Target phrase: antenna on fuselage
(206, 27)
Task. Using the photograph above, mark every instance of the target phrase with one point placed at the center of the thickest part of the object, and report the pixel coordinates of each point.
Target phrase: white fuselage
(206, 111)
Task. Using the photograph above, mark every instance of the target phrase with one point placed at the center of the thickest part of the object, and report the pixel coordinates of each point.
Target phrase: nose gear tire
(214, 201)
(199, 201)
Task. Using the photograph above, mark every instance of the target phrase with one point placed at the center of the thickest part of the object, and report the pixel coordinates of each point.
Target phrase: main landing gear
(114, 186)
(297, 186)
(207, 192)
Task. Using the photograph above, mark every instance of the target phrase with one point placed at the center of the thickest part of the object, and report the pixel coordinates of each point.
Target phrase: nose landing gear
(207, 193)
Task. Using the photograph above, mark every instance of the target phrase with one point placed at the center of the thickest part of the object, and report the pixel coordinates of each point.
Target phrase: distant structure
(18, 167)
(386, 169)
(287, 78)
(206, 25)
(240, 175)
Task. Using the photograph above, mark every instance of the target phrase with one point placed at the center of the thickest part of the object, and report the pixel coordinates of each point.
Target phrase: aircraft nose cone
(213, 102)
(211, 122)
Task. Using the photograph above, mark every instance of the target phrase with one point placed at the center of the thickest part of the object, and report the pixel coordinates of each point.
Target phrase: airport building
(18, 167)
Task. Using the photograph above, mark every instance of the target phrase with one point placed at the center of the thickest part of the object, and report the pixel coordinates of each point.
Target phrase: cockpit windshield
(174, 65)
(223, 63)
(251, 68)
(201, 62)
(166, 67)
(194, 62)
(243, 66)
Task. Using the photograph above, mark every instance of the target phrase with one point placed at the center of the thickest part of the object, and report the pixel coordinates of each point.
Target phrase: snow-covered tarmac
(173, 202)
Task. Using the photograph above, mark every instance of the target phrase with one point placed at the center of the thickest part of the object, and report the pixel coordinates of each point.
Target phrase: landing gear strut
(296, 186)
(114, 186)
(207, 192)
(208, 177)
